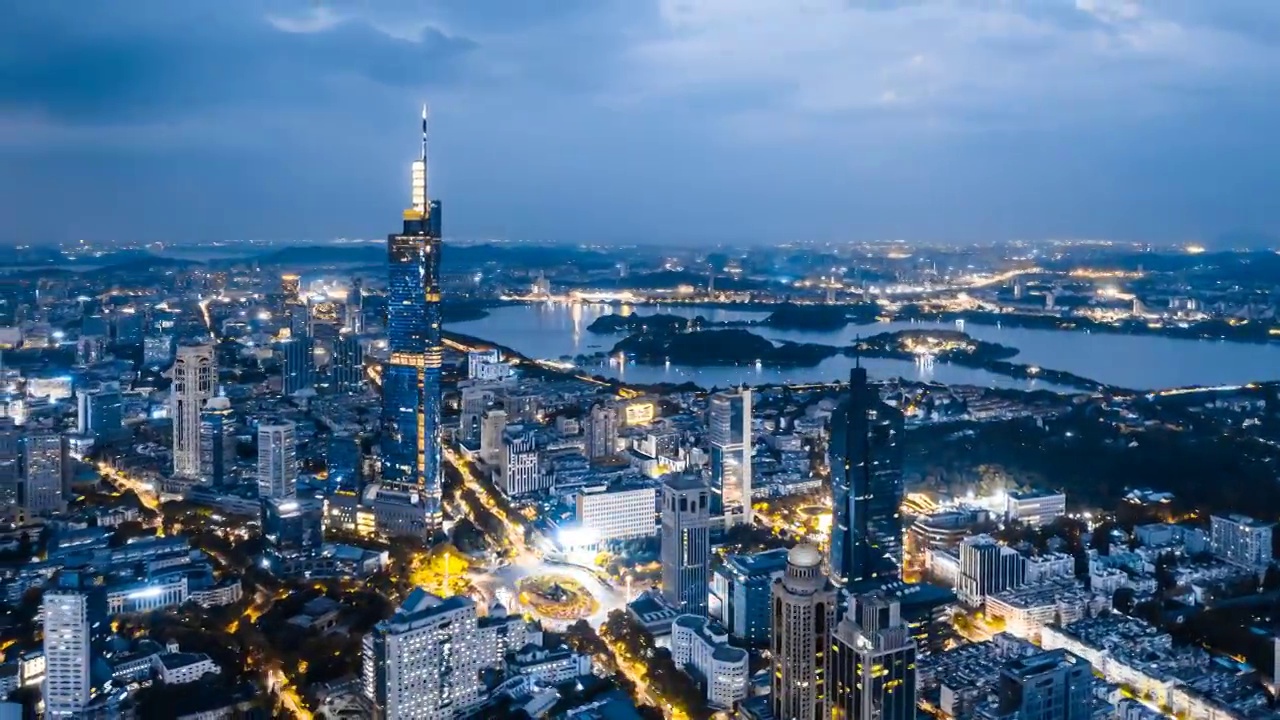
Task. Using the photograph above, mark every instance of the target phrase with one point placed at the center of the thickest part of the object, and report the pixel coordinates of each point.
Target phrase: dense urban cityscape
(418, 479)
(776, 360)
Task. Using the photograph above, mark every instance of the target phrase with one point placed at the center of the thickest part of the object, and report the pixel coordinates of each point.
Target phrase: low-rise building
(180, 668)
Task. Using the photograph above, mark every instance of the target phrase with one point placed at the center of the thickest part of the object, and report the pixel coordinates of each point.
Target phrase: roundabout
(556, 597)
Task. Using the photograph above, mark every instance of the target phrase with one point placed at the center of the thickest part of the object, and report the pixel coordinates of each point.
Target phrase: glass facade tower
(866, 487)
(411, 453)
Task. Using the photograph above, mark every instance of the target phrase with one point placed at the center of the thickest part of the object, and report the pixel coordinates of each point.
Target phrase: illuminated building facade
(873, 662)
(217, 442)
(277, 460)
(729, 433)
(195, 381)
(686, 544)
(411, 452)
(866, 487)
(804, 612)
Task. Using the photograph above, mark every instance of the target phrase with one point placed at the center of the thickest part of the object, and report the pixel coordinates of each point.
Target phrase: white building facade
(195, 381)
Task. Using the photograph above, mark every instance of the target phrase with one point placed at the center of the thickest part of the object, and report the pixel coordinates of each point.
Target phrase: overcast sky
(746, 121)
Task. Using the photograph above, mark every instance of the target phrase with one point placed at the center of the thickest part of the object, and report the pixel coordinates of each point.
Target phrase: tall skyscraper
(804, 613)
(298, 364)
(424, 662)
(76, 626)
(277, 460)
(601, 432)
(42, 460)
(866, 487)
(411, 452)
(217, 441)
(729, 434)
(1052, 685)
(873, 662)
(347, 367)
(195, 380)
(353, 311)
(686, 544)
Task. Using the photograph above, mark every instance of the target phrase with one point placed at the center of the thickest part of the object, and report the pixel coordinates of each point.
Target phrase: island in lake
(720, 347)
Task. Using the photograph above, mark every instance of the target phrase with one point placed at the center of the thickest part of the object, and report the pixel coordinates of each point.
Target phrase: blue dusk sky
(717, 121)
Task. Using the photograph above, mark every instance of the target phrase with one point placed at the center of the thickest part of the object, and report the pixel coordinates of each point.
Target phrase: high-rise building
(742, 592)
(10, 463)
(42, 460)
(804, 614)
(100, 412)
(729, 434)
(217, 441)
(353, 311)
(1052, 685)
(866, 487)
(343, 462)
(1241, 540)
(686, 544)
(292, 525)
(277, 460)
(75, 629)
(297, 364)
(492, 427)
(873, 662)
(518, 470)
(411, 437)
(701, 648)
(348, 365)
(987, 567)
(618, 512)
(424, 662)
(157, 350)
(601, 432)
(195, 381)
(475, 400)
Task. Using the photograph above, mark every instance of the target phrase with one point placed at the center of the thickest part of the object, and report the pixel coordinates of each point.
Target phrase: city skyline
(923, 121)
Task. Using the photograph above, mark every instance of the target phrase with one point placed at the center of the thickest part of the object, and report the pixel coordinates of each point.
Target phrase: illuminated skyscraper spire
(420, 172)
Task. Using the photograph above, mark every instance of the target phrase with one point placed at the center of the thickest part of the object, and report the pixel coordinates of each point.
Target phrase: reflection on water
(1135, 361)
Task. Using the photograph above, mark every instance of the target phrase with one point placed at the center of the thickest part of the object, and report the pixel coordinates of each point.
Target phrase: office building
(297, 364)
(10, 463)
(195, 381)
(617, 512)
(686, 544)
(343, 462)
(129, 327)
(411, 399)
(277, 460)
(42, 467)
(100, 412)
(518, 471)
(866, 486)
(217, 442)
(353, 311)
(729, 435)
(1035, 507)
(75, 630)
(424, 662)
(487, 366)
(1241, 540)
(804, 614)
(475, 400)
(701, 648)
(601, 432)
(492, 428)
(986, 568)
(742, 594)
(292, 526)
(873, 662)
(348, 365)
(1052, 685)
(157, 350)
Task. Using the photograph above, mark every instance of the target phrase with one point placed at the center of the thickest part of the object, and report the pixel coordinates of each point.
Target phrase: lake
(552, 331)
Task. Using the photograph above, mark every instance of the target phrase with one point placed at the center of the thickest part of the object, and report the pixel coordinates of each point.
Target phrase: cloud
(145, 61)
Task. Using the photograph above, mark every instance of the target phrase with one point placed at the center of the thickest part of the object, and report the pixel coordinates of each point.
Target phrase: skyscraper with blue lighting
(411, 400)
